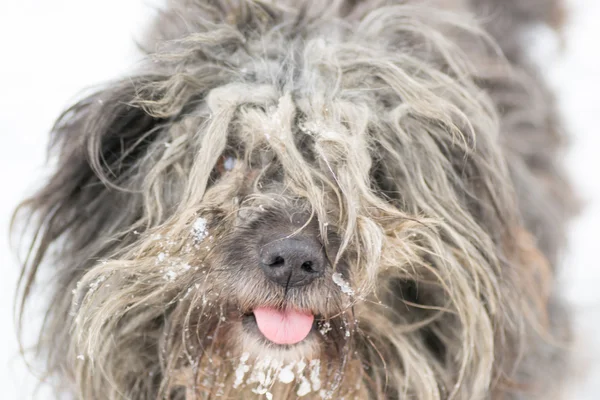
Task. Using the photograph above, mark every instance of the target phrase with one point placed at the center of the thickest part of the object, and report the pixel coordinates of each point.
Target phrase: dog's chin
(252, 341)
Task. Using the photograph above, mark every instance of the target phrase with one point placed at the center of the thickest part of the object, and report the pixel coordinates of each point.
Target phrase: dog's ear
(83, 209)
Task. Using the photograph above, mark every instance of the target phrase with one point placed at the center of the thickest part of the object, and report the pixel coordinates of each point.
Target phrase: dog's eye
(226, 163)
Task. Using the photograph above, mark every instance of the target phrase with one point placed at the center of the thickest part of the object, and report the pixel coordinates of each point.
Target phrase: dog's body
(347, 199)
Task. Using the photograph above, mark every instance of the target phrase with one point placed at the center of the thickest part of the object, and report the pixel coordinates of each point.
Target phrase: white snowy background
(50, 50)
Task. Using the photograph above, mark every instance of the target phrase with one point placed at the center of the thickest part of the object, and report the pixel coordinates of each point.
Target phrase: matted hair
(419, 141)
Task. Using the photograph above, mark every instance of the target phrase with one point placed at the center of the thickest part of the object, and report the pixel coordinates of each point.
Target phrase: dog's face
(284, 245)
(269, 249)
(287, 215)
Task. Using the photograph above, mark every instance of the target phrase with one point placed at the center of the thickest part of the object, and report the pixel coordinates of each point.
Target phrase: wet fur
(417, 143)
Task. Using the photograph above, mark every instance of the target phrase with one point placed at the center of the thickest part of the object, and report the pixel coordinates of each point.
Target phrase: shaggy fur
(414, 141)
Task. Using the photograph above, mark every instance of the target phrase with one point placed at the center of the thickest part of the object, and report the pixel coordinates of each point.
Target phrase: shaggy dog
(317, 199)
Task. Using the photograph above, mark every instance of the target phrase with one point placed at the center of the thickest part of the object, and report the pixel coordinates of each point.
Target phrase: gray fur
(416, 142)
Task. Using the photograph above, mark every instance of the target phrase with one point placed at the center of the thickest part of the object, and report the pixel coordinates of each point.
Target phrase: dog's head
(285, 203)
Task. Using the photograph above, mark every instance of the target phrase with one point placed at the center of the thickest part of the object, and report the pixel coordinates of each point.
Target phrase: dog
(310, 199)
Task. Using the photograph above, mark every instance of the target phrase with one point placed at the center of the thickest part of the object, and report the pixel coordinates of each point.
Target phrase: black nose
(292, 261)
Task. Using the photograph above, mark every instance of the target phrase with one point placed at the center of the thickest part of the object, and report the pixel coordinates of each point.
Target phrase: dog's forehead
(297, 133)
(291, 114)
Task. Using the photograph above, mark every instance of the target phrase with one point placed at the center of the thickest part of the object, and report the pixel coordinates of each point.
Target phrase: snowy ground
(53, 49)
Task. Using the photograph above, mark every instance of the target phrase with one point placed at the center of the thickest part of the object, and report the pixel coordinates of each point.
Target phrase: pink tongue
(283, 327)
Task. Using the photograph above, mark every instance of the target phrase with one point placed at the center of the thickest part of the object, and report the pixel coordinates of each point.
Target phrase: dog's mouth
(281, 327)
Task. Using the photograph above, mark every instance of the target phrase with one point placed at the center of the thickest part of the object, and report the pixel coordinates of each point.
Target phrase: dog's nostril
(308, 266)
(278, 261)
